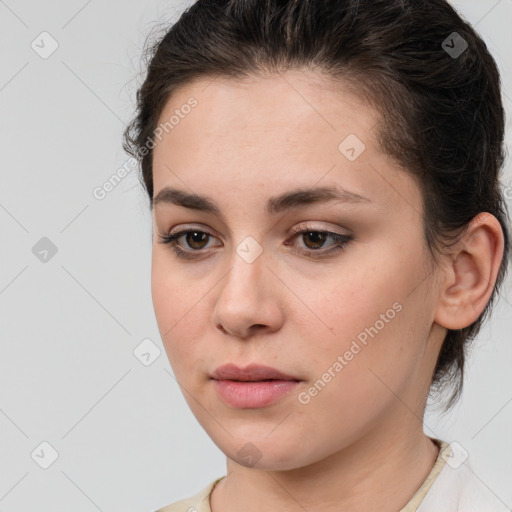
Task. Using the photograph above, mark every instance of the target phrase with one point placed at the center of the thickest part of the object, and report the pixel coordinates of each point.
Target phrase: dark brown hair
(424, 68)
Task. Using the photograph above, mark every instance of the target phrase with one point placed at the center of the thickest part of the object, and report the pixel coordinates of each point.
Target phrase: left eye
(317, 239)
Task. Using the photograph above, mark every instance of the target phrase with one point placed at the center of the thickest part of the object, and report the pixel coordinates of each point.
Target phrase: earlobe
(470, 277)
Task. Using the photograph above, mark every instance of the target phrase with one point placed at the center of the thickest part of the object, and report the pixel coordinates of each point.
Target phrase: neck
(380, 471)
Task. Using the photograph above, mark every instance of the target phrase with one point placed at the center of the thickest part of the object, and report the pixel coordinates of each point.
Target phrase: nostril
(219, 326)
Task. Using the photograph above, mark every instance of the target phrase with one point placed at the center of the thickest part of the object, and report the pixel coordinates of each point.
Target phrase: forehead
(295, 102)
(270, 132)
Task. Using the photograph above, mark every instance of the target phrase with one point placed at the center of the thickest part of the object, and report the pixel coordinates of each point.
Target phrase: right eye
(194, 238)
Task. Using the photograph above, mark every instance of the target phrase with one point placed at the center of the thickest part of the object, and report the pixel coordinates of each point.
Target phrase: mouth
(251, 373)
(252, 387)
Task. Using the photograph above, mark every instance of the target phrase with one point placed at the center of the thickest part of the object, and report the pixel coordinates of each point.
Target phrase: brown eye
(187, 243)
(317, 237)
(196, 239)
(311, 242)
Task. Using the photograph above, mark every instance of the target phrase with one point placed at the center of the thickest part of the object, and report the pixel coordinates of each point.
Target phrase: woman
(329, 233)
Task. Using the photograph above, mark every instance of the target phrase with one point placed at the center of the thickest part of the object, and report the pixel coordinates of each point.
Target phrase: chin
(267, 454)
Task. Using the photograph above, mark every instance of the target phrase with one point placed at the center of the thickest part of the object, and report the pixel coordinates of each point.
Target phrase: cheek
(172, 291)
(342, 308)
(179, 303)
(377, 317)
(358, 374)
(173, 305)
(163, 293)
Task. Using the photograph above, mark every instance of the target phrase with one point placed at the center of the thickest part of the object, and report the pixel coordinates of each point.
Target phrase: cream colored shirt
(451, 486)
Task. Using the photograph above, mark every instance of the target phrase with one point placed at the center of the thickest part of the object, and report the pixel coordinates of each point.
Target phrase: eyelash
(340, 240)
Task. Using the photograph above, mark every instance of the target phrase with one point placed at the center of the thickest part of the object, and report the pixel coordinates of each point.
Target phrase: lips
(251, 373)
(253, 387)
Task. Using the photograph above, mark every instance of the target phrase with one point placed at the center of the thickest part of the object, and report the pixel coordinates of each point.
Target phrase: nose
(249, 299)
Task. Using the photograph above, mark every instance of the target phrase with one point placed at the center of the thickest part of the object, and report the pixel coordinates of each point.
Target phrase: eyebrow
(276, 204)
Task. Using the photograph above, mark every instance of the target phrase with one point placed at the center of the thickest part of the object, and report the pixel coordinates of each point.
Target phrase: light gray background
(125, 438)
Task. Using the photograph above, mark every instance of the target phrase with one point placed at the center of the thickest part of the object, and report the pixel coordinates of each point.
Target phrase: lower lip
(253, 395)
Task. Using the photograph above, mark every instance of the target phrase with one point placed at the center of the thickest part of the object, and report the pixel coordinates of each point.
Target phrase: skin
(359, 443)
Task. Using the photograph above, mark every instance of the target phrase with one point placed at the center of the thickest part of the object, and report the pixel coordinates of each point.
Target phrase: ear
(470, 273)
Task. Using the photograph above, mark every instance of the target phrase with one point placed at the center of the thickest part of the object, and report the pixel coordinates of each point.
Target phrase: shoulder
(459, 488)
(199, 502)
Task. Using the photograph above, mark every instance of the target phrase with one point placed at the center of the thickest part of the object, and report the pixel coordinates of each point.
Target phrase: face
(336, 292)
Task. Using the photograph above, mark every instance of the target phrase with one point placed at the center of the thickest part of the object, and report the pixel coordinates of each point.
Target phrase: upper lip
(253, 372)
